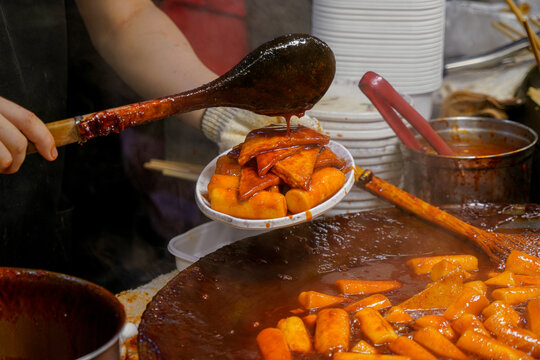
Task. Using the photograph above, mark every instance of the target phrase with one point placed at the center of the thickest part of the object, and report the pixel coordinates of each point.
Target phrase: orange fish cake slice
(276, 137)
(227, 165)
(296, 170)
(235, 152)
(327, 158)
(267, 160)
(251, 182)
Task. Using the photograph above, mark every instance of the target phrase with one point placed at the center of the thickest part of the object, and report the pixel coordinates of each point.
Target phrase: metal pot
(45, 315)
(502, 177)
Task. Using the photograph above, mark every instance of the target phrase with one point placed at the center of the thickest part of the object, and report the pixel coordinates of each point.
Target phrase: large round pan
(215, 308)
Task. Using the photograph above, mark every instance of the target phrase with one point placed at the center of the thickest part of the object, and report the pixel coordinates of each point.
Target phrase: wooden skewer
(532, 39)
(523, 21)
(509, 28)
(181, 175)
(497, 25)
(496, 245)
(175, 169)
(515, 9)
(535, 22)
(532, 36)
(523, 7)
(174, 165)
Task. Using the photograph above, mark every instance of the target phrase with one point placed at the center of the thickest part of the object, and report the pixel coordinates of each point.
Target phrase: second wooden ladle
(496, 245)
(283, 77)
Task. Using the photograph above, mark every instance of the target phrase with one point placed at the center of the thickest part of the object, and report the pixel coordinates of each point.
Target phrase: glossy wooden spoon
(496, 245)
(283, 77)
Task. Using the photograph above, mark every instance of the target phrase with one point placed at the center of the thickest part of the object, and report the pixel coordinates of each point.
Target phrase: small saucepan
(496, 168)
(46, 315)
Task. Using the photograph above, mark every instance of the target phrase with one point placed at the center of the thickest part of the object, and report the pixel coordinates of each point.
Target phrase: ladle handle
(64, 132)
(101, 123)
(385, 98)
(424, 210)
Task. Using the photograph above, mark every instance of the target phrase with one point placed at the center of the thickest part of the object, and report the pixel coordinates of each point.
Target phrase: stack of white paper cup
(347, 116)
(400, 40)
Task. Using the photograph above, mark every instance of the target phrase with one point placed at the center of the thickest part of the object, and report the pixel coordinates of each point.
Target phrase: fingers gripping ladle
(283, 77)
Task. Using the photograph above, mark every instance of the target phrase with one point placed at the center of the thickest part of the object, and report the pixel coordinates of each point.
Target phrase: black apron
(33, 73)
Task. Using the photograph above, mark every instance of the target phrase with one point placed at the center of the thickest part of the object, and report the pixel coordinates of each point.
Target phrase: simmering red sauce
(482, 149)
(477, 148)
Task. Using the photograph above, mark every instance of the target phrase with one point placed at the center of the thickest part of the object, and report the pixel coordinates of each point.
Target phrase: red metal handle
(387, 100)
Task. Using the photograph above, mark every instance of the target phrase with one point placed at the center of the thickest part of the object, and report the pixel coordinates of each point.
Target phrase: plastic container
(190, 246)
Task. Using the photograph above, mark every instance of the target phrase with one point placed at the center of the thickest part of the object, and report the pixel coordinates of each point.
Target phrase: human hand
(17, 126)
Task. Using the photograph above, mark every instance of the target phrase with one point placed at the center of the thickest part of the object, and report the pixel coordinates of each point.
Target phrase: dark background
(115, 240)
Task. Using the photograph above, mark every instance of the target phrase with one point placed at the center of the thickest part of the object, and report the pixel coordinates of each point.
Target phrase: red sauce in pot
(477, 148)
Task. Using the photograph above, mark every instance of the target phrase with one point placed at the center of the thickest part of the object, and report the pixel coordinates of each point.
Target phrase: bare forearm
(145, 47)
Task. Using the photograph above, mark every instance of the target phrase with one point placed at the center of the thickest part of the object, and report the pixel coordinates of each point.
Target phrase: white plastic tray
(190, 246)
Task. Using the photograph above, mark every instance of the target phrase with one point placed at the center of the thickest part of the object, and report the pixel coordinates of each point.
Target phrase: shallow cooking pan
(216, 307)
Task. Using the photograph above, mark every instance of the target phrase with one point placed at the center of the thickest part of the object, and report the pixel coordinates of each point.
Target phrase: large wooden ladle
(285, 76)
(496, 245)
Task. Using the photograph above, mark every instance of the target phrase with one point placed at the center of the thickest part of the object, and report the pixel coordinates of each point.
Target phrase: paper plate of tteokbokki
(277, 177)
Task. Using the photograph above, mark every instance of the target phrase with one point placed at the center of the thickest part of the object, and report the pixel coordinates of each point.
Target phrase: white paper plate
(392, 176)
(345, 103)
(352, 53)
(391, 6)
(394, 167)
(424, 35)
(371, 152)
(433, 76)
(369, 143)
(392, 56)
(405, 46)
(379, 14)
(372, 17)
(353, 125)
(240, 223)
(346, 107)
(360, 134)
(377, 160)
(375, 28)
(388, 5)
(319, 15)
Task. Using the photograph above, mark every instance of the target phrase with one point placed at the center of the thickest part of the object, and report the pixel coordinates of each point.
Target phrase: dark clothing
(33, 73)
(80, 214)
